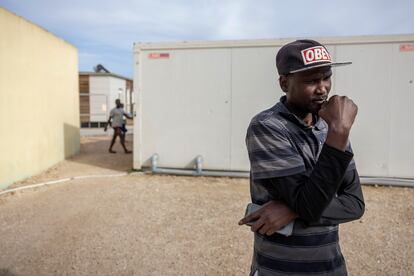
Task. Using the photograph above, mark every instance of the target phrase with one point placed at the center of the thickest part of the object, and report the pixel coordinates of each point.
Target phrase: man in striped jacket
(302, 168)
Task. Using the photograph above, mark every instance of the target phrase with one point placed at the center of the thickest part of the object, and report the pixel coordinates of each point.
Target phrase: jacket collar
(284, 112)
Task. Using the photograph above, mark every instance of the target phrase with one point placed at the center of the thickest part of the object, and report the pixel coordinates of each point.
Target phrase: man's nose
(322, 88)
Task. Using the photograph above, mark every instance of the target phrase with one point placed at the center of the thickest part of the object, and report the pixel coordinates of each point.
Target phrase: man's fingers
(257, 225)
(273, 229)
(249, 218)
(268, 229)
(264, 229)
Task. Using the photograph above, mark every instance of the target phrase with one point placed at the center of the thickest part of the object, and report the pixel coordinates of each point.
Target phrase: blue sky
(104, 30)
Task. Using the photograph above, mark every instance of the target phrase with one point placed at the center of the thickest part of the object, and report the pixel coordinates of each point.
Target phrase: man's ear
(283, 82)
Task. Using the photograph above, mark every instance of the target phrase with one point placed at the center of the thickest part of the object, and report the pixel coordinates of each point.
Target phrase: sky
(104, 31)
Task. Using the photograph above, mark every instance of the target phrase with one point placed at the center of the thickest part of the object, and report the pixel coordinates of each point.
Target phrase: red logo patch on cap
(315, 54)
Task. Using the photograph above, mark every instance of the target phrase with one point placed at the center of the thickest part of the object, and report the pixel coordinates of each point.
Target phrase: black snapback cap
(302, 55)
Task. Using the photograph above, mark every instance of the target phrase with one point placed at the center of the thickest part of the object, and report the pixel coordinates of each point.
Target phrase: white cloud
(104, 29)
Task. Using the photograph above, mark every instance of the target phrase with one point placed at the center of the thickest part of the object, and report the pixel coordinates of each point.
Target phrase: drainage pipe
(199, 164)
(197, 172)
(387, 181)
(399, 182)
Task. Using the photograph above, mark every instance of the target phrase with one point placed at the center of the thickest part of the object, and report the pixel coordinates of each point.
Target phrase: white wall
(190, 118)
(99, 95)
(116, 85)
(104, 90)
(380, 82)
(254, 88)
(200, 101)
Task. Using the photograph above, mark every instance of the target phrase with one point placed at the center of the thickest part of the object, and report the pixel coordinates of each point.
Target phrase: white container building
(98, 92)
(197, 99)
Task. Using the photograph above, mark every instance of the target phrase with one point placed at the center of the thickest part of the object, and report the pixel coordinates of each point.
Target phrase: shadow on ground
(6, 272)
(94, 152)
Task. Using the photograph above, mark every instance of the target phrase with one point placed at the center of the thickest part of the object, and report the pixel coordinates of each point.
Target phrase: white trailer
(197, 99)
(98, 92)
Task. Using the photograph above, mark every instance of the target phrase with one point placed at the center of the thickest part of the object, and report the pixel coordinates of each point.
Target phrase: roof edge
(83, 73)
(272, 42)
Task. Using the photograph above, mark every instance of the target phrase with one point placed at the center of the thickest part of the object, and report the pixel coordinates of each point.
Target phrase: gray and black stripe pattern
(280, 144)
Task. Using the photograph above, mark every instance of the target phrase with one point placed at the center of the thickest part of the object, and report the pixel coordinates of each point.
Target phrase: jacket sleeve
(331, 194)
(347, 205)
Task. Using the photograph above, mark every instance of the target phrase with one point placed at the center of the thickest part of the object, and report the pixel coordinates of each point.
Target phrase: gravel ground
(144, 224)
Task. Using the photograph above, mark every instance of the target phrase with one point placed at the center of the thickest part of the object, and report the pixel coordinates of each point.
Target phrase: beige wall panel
(39, 99)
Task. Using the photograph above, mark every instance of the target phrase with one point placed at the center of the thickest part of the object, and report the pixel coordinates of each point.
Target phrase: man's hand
(108, 124)
(339, 113)
(271, 217)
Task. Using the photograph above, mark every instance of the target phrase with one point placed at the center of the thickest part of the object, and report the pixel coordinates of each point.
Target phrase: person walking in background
(116, 120)
(302, 169)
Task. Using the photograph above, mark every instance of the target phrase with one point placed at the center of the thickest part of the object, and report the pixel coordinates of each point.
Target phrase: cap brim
(321, 65)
